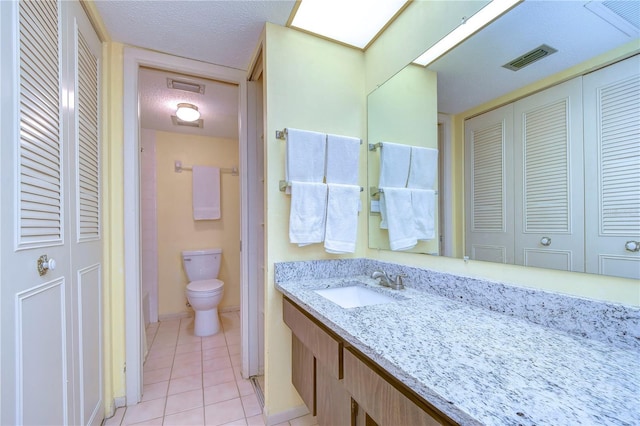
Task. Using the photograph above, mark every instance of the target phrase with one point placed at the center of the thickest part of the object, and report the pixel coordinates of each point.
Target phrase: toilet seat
(205, 286)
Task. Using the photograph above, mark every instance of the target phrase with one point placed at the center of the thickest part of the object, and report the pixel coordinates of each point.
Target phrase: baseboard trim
(120, 401)
(230, 309)
(285, 416)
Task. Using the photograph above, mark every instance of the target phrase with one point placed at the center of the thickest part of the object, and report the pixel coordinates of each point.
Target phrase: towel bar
(375, 191)
(282, 134)
(374, 146)
(231, 170)
(283, 184)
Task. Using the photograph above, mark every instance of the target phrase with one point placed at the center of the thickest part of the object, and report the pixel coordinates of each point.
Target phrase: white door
(549, 220)
(255, 245)
(488, 175)
(612, 169)
(85, 233)
(42, 358)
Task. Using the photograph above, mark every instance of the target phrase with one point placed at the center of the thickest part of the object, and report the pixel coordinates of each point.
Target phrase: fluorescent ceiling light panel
(353, 22)
(472, 25)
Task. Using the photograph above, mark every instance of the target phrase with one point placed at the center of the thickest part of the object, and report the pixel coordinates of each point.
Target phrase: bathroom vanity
(422, 358)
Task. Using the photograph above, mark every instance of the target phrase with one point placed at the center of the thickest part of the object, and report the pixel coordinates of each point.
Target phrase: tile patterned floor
(191, 380)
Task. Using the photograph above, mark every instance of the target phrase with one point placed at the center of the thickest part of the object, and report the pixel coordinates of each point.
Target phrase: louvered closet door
(85, 233)
(549, 218)
(36, 345)
(489, 198)
(612, 168)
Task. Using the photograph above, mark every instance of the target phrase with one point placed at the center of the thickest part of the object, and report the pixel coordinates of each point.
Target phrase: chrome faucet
(387, 281)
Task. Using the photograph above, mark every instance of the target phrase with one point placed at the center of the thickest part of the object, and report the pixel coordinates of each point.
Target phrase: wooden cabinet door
(333, 402)
(384, 403)
(303, 373)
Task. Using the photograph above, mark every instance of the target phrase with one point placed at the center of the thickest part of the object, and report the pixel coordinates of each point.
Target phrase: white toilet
(204, 291)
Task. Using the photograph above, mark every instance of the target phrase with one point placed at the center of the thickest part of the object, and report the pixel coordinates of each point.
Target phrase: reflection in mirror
(471, 80)
(401, 111)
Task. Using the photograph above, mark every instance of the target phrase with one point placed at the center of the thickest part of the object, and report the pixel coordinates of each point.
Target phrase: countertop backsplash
(612, 323)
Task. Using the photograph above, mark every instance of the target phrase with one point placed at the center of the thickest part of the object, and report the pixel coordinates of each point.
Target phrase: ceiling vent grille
(197, 124)
(530, 57)
(187, 86)
(624, 15)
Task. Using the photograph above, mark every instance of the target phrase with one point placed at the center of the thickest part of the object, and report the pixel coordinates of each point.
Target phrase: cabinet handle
(545, 241)
(632, 246)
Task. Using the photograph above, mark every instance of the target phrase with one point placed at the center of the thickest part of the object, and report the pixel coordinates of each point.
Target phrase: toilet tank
(202, 264)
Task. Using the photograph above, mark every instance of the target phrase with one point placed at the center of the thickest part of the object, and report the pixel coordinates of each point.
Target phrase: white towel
(383, 212)
(394, 165)
(206, 193)
(343, 159)
(342, 218)
(424, 168)
(402, 230)
(423, 203)
(305, 159)
(308, 213)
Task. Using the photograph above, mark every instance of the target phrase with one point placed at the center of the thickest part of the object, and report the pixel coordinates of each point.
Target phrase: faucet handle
(398, 280)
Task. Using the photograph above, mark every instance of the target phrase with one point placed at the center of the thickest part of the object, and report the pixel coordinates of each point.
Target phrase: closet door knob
(545, 241)
(632, 246)
(45, 264)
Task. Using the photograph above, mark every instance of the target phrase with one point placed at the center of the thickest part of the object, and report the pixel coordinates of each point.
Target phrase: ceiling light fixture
(352, 22)
(187, 112)
(467, 28)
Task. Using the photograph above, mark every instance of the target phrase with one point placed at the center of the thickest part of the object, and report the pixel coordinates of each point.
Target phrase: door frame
(135, 58)
(446, 193)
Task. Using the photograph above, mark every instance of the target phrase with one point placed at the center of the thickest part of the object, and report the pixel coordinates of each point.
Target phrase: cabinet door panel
(303, 373)
(324, 347)
(612, 158)
(549, 219)
(488, 142)
(333, 401)
(385, 404)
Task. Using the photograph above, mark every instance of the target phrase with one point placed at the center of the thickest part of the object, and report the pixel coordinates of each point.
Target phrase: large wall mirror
(471, 80)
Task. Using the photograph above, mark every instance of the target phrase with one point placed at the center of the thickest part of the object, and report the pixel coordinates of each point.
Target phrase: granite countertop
(479, 366)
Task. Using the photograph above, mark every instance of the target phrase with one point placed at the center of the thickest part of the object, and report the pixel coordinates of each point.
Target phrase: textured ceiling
(218, 105)
(219, 32)
(472, 73)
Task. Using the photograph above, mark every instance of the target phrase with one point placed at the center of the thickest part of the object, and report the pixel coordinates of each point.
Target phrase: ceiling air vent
(188, 86)
(530, 57)
(197, 124)
(624, 15)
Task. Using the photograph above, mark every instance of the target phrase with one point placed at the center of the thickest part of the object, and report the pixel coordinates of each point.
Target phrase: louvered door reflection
(612, 169)
(549, 224)
(489, 227)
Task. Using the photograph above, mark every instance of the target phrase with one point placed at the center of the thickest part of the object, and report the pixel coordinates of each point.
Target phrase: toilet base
(206, 323)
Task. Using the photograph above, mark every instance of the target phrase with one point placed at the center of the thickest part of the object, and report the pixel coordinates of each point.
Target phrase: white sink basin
(354, 296)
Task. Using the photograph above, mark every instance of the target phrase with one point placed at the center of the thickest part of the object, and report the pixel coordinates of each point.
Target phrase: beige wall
(404, 110)
(310, 84)
(177, 231)
(113, 224)
(416, 29)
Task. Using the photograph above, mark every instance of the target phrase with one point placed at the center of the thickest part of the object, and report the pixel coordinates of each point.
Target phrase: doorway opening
(134, 61)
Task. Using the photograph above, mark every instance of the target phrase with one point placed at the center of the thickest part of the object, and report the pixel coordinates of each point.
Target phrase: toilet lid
(205, 285)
